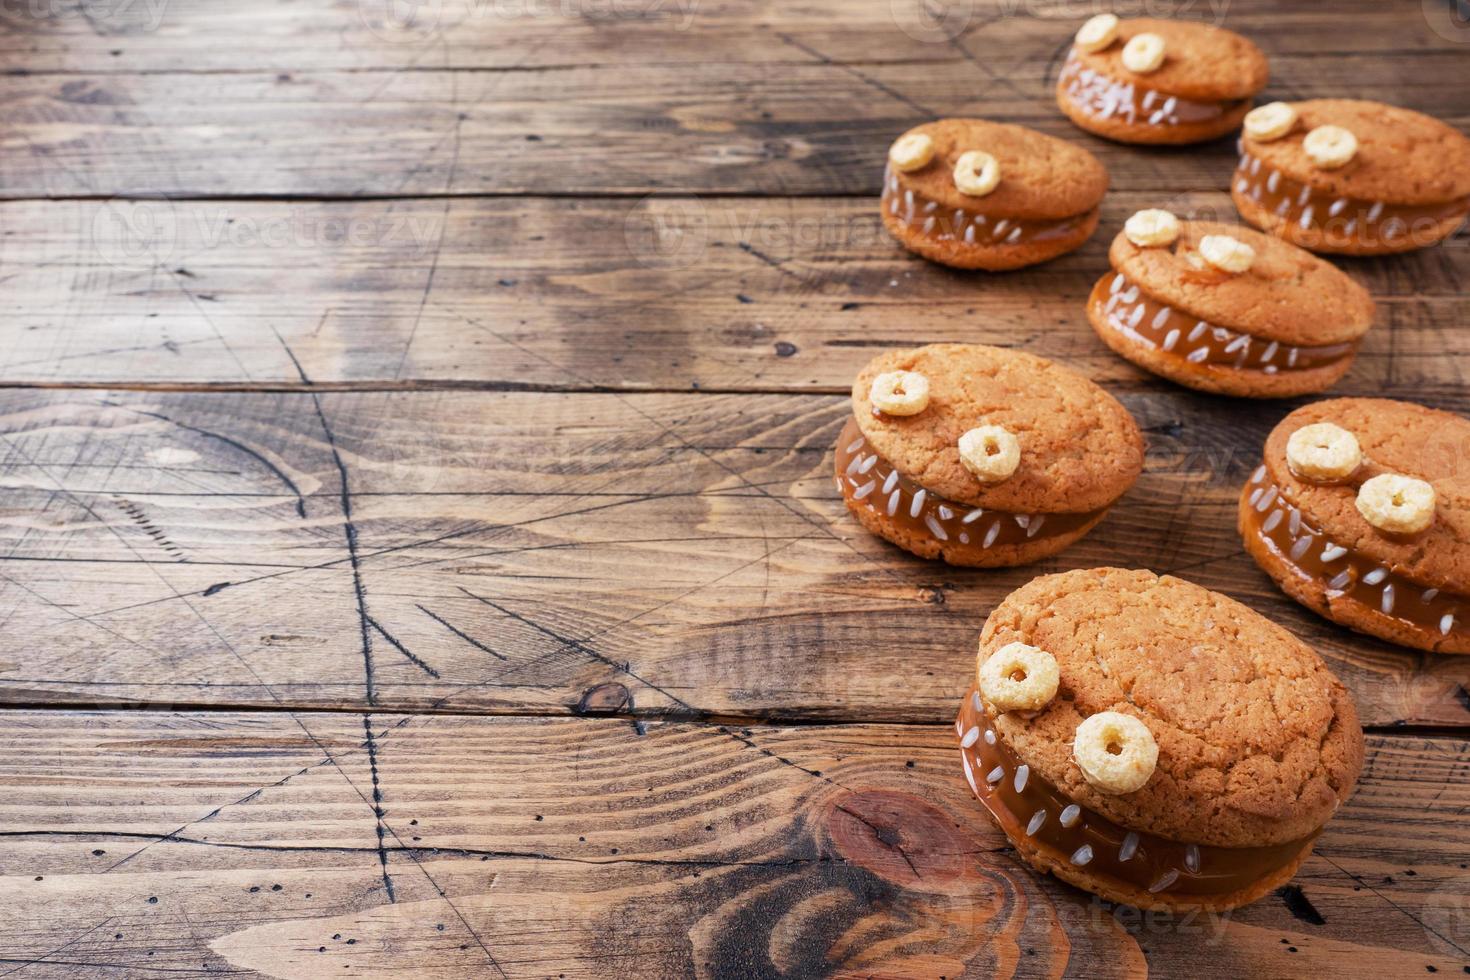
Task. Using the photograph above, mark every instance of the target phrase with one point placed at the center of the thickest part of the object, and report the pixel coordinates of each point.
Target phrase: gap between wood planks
(713, 719)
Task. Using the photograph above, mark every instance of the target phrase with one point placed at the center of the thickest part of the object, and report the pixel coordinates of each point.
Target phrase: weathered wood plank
(313, 845)
(804, 129)
(670, 554)
(716, 293)
(595, 115)
(495, 35)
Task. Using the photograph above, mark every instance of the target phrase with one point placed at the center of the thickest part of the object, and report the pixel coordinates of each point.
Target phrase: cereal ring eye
(1018, 677)
(1397, 504)
(911, 152)
(1143, 53)
(1330, 147)
(976, 173)
(1323, 452)
(1097, 33)
(900, 393)
(1227, 254)
(1151, 228)
(1116, 752)
(990, 452)
(1270, 121)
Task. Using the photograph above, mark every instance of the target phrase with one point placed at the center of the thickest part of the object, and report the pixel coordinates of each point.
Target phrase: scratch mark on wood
(397, 645)
(232, 443)
(574, 644)
(372, 752)
(460, 633)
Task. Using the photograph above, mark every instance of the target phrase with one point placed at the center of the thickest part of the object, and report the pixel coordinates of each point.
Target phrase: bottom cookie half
(1335, 581)
(897, 509)
(1086, 849)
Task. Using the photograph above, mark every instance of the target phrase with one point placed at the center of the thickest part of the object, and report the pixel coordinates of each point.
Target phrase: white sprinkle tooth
(1023, 772)
(1034, 824)
(1165, 880)
(1070, 815)
(971, 737)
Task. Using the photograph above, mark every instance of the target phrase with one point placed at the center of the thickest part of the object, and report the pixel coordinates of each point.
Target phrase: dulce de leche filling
(1341, 571)
(872, 482)
(1104, 97)
(1027, 808)
(971, 227)
(1344, 220)
(1128, 310)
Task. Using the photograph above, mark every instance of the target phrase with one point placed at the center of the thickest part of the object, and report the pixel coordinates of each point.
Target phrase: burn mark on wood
(1299, 905)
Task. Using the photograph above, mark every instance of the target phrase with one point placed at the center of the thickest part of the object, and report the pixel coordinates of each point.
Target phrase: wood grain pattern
(475, 364)
(818, 124)
(679, 554)
(722, 293)
(310, 845)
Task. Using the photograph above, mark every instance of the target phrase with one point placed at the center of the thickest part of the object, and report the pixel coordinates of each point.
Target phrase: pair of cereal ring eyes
(1326, 453)
(990, 452)
(976, 173)
(1329, 147)
(1157, 228)
(1116, 752)
(1143, 53)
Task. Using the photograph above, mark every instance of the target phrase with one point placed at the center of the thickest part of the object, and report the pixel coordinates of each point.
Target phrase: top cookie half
(1080, 448)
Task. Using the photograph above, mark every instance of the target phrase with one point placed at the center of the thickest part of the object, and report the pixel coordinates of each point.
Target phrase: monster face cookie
(1355, 178)
(1226, 309)
(1153, 742)
(981, 195)
(1361, 512)
(982, 456)
(1159, 81)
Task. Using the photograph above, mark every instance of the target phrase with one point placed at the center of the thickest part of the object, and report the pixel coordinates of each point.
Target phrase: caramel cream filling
(872, 482)
(1342, 571)
(1028, 808)
(1144, 320)
(1344, 219)
(1105, 98)
(970, 227)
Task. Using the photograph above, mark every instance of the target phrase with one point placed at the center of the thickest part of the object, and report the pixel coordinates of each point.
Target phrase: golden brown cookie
(1405, 184)
(1201, 90)
(1289, 324)
(1310, 535)
(907, 479)
(1043, 202)
(1254, 742)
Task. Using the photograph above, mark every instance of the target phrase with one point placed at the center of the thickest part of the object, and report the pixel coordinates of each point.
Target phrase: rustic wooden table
(419, 552)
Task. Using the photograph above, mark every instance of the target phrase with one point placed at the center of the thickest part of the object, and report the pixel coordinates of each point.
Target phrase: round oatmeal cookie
(1044, 201)
(1012, 459)
(1257, 742)
(1289, 324)
(1411, 589)
(1201, 90)
(1080, 448)
(1406, 184)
